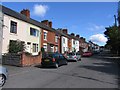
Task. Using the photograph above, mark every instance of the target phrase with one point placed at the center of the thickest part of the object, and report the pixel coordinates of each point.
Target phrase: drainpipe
(1, 33)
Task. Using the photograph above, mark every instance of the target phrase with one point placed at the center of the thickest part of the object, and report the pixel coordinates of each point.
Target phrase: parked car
(53, 59)
(96, 52)
(3, 75)
(73, 56)
(87, 54)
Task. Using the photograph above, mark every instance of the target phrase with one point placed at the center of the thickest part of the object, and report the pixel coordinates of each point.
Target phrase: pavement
(89, 73)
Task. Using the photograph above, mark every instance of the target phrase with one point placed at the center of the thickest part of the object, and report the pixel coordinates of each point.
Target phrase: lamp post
(119, 14)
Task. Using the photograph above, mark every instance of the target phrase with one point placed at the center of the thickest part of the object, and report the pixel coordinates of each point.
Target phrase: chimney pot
(26, 12)
(50, 24)
(46, 22)
(72, 34)
(65, 31)
(77, 36)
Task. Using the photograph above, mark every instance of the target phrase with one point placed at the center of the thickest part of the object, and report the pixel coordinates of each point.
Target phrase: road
(88, 73)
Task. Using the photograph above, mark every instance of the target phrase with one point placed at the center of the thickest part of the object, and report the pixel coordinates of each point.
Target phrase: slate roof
(74, 37)
(22, 17)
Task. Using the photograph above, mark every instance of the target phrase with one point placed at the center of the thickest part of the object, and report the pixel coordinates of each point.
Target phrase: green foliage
(42, 50)
(16, 46)
(113, 35)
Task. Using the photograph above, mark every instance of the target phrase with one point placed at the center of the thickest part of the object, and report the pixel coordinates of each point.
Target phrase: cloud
(40, 10)
(98, 38)
(94, 27)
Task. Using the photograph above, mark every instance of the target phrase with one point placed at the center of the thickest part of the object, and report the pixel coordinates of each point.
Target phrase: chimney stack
(26, 12)
(45, 22)
(72, 34)
(77, 36)
(65, 31)
(50, 24)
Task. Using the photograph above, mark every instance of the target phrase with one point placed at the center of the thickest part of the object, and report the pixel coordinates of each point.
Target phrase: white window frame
(45, 47)
(56, 39)
(45, 35)
(35, 47)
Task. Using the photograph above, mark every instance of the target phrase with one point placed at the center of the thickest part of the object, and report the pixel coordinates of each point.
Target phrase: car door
(56, 56)
(62, 59)
(78, 55)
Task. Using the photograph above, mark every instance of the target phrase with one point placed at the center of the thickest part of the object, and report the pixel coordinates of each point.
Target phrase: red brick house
(50, 38)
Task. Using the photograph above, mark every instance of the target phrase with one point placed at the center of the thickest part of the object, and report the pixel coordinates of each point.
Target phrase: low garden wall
(22, 59)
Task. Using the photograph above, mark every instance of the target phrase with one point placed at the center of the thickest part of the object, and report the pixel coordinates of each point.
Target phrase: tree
(16, 46)
(113, 35)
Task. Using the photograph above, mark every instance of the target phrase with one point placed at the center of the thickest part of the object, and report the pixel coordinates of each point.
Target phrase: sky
(88, 19)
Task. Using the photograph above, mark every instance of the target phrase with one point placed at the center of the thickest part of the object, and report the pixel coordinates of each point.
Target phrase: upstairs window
(45, 35)
(13, 27)
(73, 42)
(63, 40)
(56, 39)
(34, 32)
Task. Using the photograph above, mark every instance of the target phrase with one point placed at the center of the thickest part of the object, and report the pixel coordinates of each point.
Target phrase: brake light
(53, 59)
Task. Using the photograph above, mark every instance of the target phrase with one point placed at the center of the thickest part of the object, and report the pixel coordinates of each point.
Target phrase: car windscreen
(71, 54)
(46, 55)
(78, 53)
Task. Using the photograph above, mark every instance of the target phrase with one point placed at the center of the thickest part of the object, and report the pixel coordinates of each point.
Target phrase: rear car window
(77, 53)
(71, 54)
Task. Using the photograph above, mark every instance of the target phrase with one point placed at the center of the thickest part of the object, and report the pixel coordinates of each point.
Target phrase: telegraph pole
(115, 20)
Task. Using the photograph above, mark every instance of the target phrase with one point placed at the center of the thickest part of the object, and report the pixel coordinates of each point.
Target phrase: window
(52, 48)
(61, 56)
(63, 49)
(34, 32)
(45, 47)
(56, 49)
(63, 40)
(45, 35)
(13, 28)
(73, 42)
(56, 39)
(35, 47)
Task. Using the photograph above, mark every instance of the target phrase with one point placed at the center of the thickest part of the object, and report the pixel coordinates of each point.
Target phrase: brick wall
(50, 38)
(21, 59)
(28, 60)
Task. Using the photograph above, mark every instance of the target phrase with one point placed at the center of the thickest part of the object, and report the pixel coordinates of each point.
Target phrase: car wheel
(56, 65)
(2, 80)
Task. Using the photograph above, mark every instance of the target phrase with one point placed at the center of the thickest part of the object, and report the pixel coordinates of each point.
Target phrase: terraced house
(36, 35)
(50, 39)
(19, 26)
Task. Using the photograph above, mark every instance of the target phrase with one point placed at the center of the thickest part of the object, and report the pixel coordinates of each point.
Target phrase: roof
(22, 17)
(63, 34)
(74, 37)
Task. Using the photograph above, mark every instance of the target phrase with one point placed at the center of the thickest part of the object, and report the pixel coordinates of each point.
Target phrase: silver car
(3, 75)
(73, 56)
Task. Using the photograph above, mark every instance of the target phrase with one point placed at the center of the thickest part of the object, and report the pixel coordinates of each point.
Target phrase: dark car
(53, 59)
